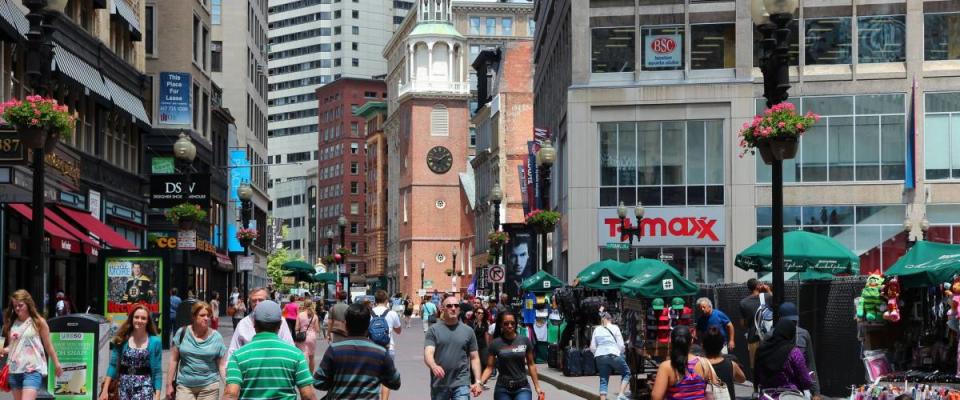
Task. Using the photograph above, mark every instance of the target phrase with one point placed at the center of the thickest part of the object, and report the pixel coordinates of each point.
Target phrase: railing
(435, 86)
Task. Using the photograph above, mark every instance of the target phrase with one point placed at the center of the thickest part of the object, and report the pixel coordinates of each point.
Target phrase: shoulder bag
(716, 389)
(301, 335)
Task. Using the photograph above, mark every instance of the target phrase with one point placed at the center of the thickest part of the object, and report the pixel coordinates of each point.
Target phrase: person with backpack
(355, 367)
(197, 354)
(711, 317)
(428, 311)
(750, 319)
(384, 324)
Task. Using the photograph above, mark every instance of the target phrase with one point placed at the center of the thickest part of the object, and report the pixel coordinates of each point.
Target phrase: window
(474, 25)
(355, 62)
(713, 46)
(662, 48)
(337, 62)
(298, 157)
(696, 263)
(336, 14)
(613, 49)
(355, 14)
(793, 39)
(354, 168)
(354, 208)
(658, 163)
(858, 138)
(355, 130)
(473, 137)
(439, 121)
(354, 148)
(216, 12)
(216, 56)
(355, 249)
(828, 40)
(942, 135)
(507, 26)
(354, 228)
(941, 36)
(196, 39)
(491, 26)
(355, 46)
(354, 187)
(337, 30)
(355, 29)
(337, 46)
(881, 38)
(531, 27)
(150, 19)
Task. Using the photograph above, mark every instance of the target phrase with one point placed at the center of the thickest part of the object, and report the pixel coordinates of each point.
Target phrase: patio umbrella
(804, 276)
(658, 280)
(298, 265)
(638, 266)
(300, 276)
(604, 274)
(325, 277)
(802, 251)
(541, 282)
(927, 264)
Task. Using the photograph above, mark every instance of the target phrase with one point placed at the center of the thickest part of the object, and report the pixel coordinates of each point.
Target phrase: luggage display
(572, 362)
(553, 356)
(588, 365)
(568, 303)
(590, 309)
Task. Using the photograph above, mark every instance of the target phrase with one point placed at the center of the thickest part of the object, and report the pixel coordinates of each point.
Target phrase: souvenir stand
(536, 309)
(654, 302)
(908, 325)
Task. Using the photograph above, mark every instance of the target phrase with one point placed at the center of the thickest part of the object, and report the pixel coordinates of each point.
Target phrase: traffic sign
(618, 246)
(481, 278)
(496, 274)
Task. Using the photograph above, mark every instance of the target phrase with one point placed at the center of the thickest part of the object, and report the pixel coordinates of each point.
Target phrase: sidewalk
(588, 386)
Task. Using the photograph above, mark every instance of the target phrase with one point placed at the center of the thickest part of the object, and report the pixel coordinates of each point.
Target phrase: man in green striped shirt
(267, 367)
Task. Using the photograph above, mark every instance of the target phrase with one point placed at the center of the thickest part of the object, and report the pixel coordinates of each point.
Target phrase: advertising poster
(75, 351)
(662, 51)
(174, 99)
(239, 173)
(520, 260)
(133, 280)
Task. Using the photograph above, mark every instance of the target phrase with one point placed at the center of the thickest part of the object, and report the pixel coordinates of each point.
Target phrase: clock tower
(428, 137)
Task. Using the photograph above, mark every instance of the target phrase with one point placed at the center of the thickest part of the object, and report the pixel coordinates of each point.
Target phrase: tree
(274, 261)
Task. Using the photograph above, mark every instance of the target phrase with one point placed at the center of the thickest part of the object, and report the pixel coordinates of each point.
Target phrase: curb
(569, 387)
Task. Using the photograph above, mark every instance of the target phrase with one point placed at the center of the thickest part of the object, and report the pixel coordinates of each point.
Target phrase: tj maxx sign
(666, 226)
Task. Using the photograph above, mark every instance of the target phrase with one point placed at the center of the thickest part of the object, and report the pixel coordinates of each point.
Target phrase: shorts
(26, 380)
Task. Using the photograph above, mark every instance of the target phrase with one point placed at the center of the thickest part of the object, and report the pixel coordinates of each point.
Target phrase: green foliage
(274, 261)
(186, 212)
(40, 112)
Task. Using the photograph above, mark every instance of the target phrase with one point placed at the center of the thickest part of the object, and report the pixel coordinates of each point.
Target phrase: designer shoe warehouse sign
(666, 226)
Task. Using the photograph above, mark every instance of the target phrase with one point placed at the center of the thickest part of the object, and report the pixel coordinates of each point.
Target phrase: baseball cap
(658, 304)
(677, 303)
(267, 311)
(788, 311)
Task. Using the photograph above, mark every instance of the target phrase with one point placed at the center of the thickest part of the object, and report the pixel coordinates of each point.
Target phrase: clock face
(439, 159)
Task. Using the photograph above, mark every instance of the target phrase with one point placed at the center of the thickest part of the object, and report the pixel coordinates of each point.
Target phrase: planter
(33, 137)
(186, 224)
(542, 228)
(784, 148)
(246, 242)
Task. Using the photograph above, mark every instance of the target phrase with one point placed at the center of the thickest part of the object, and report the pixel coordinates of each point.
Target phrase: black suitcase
(572, 362)
(553, 356)
(588, 363)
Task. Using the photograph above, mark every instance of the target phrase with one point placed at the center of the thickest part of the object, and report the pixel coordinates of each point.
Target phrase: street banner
(239, 173)
(522, 179)
(533, 181)
(519, 260)
(174, 102)
(130, 281)
(75, 351)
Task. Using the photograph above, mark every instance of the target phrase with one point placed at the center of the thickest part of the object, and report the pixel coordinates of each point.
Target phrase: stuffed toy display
(953, 293)
(870, 298)
(891, 290)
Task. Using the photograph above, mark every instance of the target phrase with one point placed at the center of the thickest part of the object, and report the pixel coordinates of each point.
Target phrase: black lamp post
(772, 18)
(245, 194)
(342, 222)
(496, 197)
(423, 269)
(545, 158)
(634, 231)
(184, 152)
(455, 276)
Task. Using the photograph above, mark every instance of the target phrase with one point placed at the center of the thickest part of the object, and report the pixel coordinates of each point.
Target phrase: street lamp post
(772, 18)
(634, 231)
(245, 194)
(423, 269)
(496, 197)
(455, 276)
(545, 158)
(342, 222)
(184, 152)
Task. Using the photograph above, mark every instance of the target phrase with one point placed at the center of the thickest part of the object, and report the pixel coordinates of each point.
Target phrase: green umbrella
(604, 274)
(301, 276)
(541, 282)
(804, 276)
(802, 251)
(298, 265)
(325, 277)
(927, 264)
(641, 265)
(658, 281)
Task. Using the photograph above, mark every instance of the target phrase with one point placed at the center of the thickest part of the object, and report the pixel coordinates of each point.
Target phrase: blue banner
(239, 173)
(909, 178)
(174, 99)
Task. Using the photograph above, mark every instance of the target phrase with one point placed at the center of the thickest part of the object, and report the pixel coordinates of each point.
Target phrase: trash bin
(82, 345)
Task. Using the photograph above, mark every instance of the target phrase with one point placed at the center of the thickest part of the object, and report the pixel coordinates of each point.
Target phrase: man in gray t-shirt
(450, 351)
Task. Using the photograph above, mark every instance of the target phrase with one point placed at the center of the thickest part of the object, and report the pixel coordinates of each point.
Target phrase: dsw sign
(667, 226)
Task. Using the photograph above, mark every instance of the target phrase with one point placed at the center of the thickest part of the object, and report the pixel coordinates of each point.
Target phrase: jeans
(610, 363)
(27, 380)
(450, 393)
(502, 393)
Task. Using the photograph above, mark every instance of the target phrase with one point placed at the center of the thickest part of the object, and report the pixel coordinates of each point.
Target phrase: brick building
(374, 114)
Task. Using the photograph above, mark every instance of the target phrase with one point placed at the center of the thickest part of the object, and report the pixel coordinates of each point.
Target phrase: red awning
(59, 238)
(89, 246)
(224, 260)
(99, 229)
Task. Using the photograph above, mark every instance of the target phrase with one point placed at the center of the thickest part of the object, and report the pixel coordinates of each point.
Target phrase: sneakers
(624, 396)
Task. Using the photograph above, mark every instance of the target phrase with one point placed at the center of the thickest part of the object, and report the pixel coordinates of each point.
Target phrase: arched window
(439, 121)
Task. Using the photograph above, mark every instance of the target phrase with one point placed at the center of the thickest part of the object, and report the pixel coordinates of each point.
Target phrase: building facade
(374, 114)
(656, 97)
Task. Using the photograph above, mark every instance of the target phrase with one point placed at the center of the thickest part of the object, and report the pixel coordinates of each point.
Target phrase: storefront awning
(122, 10)
(78, 70)
(104, 232)
(224, 261)
(59, 238)
(16, 24)
(127, 101)
(90, 247)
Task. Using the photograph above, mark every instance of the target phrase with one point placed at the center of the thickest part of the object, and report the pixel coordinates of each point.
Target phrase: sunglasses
(452, 306)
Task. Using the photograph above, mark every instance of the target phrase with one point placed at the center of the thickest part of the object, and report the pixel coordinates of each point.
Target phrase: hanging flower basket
(776, 133)
(39, 120)
(344, 251)
(329, 260)
(186, 215)
(542, 220)
(246, 236)
(497, 239)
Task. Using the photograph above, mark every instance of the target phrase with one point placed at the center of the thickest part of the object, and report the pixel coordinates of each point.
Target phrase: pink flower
(36, 112)
(35, 122)
(799, 126)
(782, 124)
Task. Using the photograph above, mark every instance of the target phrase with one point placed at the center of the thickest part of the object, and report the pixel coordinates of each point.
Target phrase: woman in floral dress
(135, 358)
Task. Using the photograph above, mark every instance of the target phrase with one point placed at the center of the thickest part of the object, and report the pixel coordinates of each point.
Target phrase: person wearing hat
(607, 345)
(245, 330)
(788, 311)
(267, 367)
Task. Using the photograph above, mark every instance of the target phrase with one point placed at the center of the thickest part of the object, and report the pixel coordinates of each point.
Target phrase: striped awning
(78, 70)
(14, 17)
(121, 9)
(127, 101)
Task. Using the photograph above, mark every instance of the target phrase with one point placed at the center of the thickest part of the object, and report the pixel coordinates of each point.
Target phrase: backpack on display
(379, 330)
(590, 309)
(572, 362)
(588, 364)
(763, 319)
(553, 355)
(567, 301)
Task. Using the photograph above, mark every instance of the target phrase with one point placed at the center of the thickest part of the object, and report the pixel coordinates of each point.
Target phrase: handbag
(231, 310)
(301, 335)
(716, 389)
(5, 378)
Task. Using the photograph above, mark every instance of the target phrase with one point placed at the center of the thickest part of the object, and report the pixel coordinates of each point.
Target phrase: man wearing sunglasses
(450, 351)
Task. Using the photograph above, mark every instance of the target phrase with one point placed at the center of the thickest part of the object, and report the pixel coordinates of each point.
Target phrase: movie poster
(520, 260)
(133, 280)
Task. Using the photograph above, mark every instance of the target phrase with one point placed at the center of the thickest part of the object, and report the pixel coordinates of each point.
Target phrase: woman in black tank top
(726, 366)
